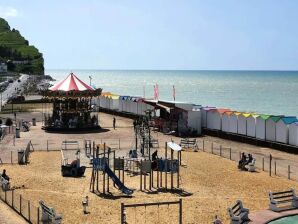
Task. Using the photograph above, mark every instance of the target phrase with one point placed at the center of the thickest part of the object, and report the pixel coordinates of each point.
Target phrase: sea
(267, 92)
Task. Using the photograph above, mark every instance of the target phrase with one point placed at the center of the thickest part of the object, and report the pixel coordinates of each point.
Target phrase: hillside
(15, 50)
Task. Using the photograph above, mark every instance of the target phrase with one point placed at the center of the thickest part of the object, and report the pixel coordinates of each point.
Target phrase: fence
(274, 166)
(22, 206)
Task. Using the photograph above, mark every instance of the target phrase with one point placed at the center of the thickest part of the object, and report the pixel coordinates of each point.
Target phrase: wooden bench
(284, 197)
(49, 215)
(5, 185)
(238, 213)
(186, 143)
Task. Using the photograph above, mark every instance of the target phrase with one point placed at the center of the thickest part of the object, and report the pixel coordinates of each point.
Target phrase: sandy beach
(215, 182)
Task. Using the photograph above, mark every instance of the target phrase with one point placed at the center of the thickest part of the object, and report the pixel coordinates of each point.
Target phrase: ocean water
(269, 92)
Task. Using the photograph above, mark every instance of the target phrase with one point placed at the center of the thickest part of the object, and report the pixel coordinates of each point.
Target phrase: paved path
(9, 216)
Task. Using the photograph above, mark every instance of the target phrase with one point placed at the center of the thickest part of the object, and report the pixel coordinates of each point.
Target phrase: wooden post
(172, 181)
(212, 147)
(37, 215)
(29, 215)
(141, 178)
(220, 153)
(123, 172)
(166, 165)
(270, 160)
(180, 211)
(11, 157)
(122, 213)
(47, 145)
(263, 163)
(119, 143)
(230, 153)
(203, 145)
(20, 204)
(104, 173)
(275, 168)
(289, 172)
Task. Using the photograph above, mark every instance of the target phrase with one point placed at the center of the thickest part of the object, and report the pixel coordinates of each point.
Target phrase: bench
(284, 197)
(5, 185)
(186, 143)
(238, 213)
(49, 215)
(252, 166)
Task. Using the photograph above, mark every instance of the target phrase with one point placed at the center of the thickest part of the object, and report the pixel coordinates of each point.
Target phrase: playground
(214, 183)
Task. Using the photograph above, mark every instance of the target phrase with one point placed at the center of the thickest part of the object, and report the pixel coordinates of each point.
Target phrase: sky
(160, 34)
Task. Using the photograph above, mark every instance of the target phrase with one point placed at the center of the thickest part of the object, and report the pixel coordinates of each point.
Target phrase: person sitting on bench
(154, 156)
(250, 159)
(242, 161)
(154, 160)
(4, 175)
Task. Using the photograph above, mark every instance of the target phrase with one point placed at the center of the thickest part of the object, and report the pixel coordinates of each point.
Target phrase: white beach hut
(271, 128)
(204, 115)
(293, 134)
(214, 118)
(242, 123)
(282, 129)
(261, 126)
(225, 121)
(251, 125)
(233, 124)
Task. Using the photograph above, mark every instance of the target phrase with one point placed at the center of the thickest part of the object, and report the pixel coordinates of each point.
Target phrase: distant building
(20, 62)
(3, 67)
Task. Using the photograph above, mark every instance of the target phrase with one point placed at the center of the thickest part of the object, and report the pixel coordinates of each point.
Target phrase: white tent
(233, 124)
(261, 126)
(282, 129)
(242, 123)
(204, 115)
(293, 134)
(214, 118)
(251, 125)
(271, 128)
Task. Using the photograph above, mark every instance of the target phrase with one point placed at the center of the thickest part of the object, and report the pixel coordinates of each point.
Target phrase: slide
(116, 180)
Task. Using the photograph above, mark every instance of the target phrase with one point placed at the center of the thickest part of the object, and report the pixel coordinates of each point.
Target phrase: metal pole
(230, 153)
(203, 145)
(220, 148)
(289, 172)
(180, 211)
(212, 147)
(263, 164)
(270, 160)
(275, 168)
(122, 213)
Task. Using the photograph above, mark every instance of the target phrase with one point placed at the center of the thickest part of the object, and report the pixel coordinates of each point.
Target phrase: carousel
(68, 106)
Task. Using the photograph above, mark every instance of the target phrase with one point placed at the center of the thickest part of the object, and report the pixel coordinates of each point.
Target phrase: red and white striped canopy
(71, 82)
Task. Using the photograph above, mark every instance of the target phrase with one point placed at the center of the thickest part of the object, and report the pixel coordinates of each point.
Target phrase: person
(134, 125)
(114, 123)
(242, 161)
(4, 175)
(250, 159)
(154, 156)
(217, 220)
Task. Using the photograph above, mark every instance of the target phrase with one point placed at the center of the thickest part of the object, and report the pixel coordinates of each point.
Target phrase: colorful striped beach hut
(271, 128)
(214, 118)
(261, 126)
(251, 125)
(242, 123)
(204, 115)
(293, 134)
(282, 129)
(225, 121)
(233, 124)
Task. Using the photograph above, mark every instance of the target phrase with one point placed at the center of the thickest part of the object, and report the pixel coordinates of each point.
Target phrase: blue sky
(158, 34)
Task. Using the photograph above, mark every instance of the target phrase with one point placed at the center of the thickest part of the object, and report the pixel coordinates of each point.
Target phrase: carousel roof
(71, 83)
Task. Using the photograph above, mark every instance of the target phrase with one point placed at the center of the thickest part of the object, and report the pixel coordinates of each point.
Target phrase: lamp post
(90, 77)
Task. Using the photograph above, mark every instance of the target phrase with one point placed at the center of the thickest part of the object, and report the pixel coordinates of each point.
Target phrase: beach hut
(293, 134)
(214, 118)
(261, 126)
(233, 122)
(271, 128)
(225, 121)
(242, 123)
(282, 129)
(204, 115)
(251, 125)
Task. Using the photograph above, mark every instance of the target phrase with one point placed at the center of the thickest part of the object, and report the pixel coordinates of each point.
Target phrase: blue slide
(116, 180)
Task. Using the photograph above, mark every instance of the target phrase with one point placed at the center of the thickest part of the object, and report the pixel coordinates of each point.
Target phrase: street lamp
(90, 77)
